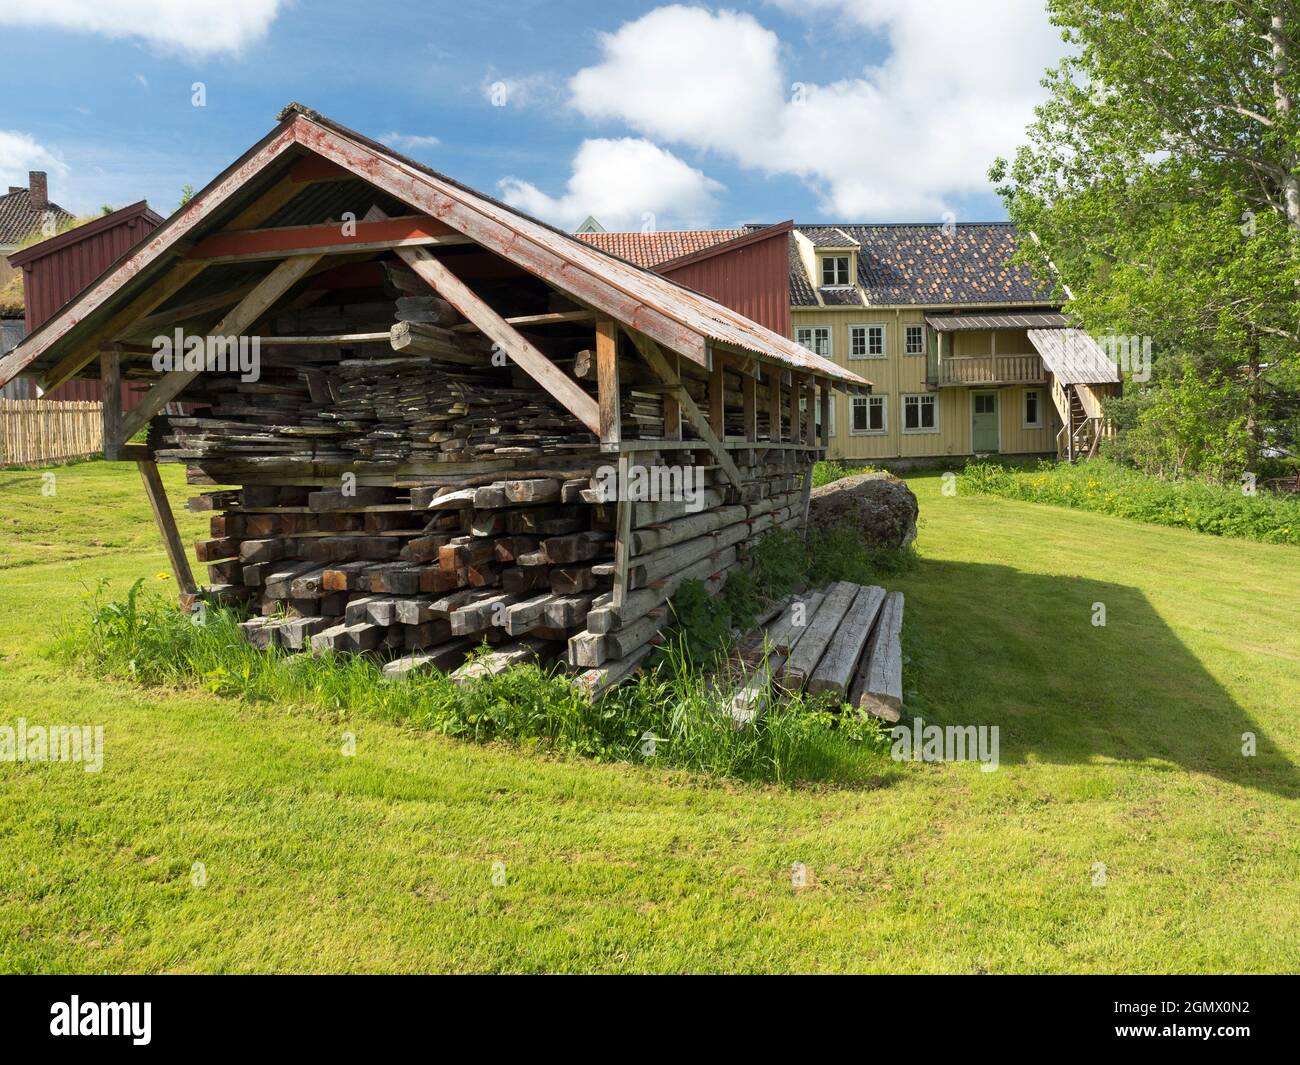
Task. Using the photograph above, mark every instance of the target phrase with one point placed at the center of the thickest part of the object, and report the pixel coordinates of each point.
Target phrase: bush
(1111, 488)
(671, 715)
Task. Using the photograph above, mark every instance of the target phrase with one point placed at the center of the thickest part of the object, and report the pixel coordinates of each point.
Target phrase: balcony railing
(991, 370)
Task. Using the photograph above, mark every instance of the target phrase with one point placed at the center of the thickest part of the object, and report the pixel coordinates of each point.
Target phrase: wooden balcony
(979, 370)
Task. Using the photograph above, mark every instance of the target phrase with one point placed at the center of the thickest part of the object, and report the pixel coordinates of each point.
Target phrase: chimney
(15, 188)
(37, 190)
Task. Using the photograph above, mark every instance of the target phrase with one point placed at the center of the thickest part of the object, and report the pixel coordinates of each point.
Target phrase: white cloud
(627, 183)
(20, 154)
(198, 27)
(409, 140)
(905, 138)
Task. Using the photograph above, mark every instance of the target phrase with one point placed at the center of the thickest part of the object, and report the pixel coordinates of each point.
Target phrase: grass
(1110, 488)
(1120, 745)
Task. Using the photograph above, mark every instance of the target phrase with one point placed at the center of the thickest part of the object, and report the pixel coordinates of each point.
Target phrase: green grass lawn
(1119, 744)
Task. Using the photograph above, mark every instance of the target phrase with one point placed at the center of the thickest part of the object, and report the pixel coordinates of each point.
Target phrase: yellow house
(965, 354)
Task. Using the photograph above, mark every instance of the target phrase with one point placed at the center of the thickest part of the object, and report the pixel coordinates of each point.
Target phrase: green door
(984, 421)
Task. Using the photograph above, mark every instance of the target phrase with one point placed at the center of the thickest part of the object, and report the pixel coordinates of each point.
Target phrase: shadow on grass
(991, 645)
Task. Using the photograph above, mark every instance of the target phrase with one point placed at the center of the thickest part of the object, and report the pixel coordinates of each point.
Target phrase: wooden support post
(749, 401)
(110, 394)
(248, 311)
(166, 521)
(796, 415)
(717, 399)
(809, 393)
(623, 531)
(774, 405)
(827, 397)
(611, 419)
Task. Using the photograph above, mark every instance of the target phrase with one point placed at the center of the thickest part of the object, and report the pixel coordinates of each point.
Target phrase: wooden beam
(328, 239)
(520, 350)
(166, 521)
(110, 394)
(652, 354)
(622, 532)
(826, 395)
(796, 419)
(249, 309)
(611, 419)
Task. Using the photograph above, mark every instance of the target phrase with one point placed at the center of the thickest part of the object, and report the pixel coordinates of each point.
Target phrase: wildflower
(163, 576)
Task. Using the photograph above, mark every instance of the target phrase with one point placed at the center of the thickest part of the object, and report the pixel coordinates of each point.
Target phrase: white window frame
(813, 330)
(868, 326)
(848, 271)
(1025, 423)
(906, 328)
(881, 403)
(920, 397)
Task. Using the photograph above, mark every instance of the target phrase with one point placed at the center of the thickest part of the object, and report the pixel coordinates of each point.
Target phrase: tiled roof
(841, 297)
(924, 265)
(802, 293)
(19, 220)
(650, 249)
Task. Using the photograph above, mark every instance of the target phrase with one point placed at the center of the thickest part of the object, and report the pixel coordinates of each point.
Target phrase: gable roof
(70, 237)
(932, 264)
(651, 249)
(19, 219)
(677, 317)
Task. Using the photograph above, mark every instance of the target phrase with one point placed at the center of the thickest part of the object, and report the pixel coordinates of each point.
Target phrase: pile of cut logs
(845, 639)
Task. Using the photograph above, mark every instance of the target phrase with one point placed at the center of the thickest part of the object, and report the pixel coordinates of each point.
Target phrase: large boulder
(878, 505)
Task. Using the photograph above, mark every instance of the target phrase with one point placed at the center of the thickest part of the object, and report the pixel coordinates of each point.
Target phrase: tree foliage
(1160, 184)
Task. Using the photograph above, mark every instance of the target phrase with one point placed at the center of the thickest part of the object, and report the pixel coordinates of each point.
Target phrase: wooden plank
(596, 682)
(110, 394)
(325, 239)
(622, 532)
(652, 354)
(796, 422)
(819, 632)
(611, 419)
(826, 397)
(749, 402)
(835, 671)
(166, 522)
(249, 309)
(878, 687)
(717, 400)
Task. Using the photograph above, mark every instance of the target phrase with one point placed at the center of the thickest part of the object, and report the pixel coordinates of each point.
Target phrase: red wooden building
(56, 270)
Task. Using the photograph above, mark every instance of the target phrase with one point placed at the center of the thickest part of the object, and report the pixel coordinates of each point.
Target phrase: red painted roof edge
(72, 236)
(721, 247)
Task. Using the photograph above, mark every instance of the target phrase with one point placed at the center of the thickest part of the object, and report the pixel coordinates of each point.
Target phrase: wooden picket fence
(37, 432)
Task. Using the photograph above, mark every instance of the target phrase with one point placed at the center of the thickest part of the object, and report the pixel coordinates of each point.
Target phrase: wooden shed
(426, 420)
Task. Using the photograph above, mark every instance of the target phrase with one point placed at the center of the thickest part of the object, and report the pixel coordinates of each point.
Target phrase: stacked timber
(421, 576)
(844, 641)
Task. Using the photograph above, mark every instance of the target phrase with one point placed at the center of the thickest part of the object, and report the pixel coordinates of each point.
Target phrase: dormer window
(835, 270)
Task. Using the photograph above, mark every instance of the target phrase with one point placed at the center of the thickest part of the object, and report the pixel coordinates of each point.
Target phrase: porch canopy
(1073, 357)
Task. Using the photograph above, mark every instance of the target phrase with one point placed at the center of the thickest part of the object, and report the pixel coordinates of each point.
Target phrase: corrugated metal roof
(1073, 357)
(637, 297)
(953, 323)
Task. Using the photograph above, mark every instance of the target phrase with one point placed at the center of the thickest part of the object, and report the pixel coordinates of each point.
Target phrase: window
(920, 414)
(816, 339)
(866, 342)
(835, 270)
(914, 342)
(1033, 410)
(869, 415)
(985, 403)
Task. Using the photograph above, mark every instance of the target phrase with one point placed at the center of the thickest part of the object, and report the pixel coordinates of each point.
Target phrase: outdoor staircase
(1080, 435)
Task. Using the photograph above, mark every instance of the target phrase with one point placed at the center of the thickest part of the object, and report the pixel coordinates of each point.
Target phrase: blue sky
(642, 114)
